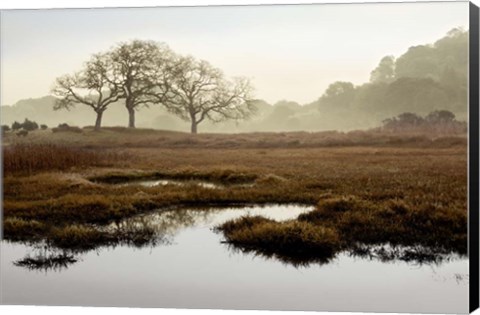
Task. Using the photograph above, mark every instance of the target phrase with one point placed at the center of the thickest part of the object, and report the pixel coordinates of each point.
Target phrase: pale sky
(290, 52)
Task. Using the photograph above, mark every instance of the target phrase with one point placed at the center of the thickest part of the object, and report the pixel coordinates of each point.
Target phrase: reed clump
(291, 238)
(395, 222)
(31, 158)
(79, 237)
(17, 229)
(356, 225)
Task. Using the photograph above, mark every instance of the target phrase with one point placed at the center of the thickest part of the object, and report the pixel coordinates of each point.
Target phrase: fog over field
(312, 67)
(306, 148)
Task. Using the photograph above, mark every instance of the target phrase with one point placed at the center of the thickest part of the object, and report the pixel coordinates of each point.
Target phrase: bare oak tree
(138, 66)
(94, 86)
(196, 91)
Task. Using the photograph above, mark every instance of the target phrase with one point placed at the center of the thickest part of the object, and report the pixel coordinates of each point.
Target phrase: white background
(28, 4)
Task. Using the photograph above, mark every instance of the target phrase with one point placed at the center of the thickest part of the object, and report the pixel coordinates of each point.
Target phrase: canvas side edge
(473, 196)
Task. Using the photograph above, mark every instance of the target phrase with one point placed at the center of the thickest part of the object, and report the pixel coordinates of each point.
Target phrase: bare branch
(94, 86)
(198, 91)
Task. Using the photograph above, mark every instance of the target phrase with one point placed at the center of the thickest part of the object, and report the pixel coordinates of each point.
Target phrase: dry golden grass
(121, 137)
(30, 158)
(298, 239)
(414, 192)
(23, 230)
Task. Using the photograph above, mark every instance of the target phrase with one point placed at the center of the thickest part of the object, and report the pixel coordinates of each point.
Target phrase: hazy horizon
(290, 52)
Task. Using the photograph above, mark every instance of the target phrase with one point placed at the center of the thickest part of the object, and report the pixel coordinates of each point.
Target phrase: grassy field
(369, 188)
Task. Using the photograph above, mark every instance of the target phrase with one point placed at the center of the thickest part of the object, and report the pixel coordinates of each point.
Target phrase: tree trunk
(194, 126)
(98, 121)
(131, 117)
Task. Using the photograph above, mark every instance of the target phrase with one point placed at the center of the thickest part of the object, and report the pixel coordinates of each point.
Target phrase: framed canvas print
(312, 157)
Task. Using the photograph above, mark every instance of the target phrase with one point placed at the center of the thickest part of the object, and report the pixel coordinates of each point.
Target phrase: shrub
(29, 125)
(16, 125)
(66, 128)
(5, 128)
(22, 133)
(43, 126)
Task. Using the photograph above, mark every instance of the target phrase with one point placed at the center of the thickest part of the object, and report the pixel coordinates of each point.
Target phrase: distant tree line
(24, 128)
(439, 122)
(424, 79)
(144, 73)
(28, 125)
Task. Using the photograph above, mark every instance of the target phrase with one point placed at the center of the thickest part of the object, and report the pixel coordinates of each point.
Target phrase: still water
(163, 182)
(191, 268)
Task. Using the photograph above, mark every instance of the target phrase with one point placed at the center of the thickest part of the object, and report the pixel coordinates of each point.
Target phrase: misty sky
(289, 52)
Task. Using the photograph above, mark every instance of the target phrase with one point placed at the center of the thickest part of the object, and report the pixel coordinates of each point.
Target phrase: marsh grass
(79, 237)
(394, 222)
(413, 193)
(16, 229)
(76, 236)
(30, 158)
(85, 237)
(121, 137)
(386, 231)
(292, 239)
